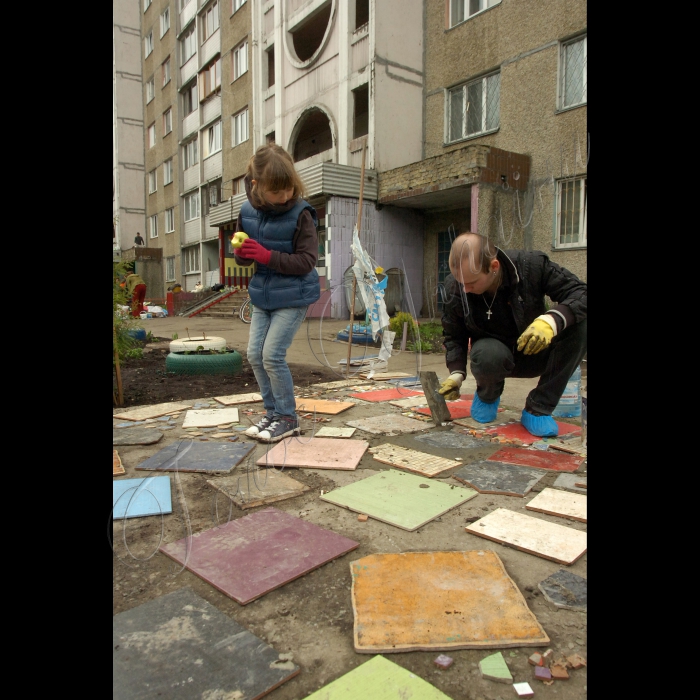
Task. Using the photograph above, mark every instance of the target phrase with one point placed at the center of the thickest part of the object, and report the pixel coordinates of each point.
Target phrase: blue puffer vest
(269, 289)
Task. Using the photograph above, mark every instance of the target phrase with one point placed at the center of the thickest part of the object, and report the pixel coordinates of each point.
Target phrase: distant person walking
(139, 240)
(136, 289)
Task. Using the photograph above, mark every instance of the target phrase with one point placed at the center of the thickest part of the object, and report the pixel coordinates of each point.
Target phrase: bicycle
(245, 312)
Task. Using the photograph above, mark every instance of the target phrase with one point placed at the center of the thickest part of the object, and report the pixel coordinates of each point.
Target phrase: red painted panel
(386, 394)
(537, 458)
(516, 430)
(458, 409)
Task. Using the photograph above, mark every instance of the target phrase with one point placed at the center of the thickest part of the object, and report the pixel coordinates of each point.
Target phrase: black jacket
(527, 277)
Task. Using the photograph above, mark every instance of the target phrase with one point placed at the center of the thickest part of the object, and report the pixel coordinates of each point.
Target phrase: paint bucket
(143, 315)
(584, 397)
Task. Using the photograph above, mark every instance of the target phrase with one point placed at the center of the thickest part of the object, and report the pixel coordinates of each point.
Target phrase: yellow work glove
(449, 388)
(537, 336)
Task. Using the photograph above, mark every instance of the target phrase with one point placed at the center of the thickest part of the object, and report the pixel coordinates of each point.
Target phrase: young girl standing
(282, 240)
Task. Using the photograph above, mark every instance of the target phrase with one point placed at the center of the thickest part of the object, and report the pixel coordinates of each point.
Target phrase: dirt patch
(145, 380)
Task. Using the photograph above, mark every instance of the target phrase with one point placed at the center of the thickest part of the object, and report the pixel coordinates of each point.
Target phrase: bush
(396, 325)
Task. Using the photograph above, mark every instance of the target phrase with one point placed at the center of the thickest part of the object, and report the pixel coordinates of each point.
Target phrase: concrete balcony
(193, 230)
(210, 48)
(190, 178)
(213, 166)
(188, 12)
(211, 109)
(190, 123)
(189, 69)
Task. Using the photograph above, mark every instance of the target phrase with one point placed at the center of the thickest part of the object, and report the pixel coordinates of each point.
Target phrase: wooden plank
(117, 466)
(388, 425)
(206, 457)
(180, 639)
(315, 453)
(136, 498)
(210, 417)
(253, 555)
(537, 458)
(379, 679)
(436, 401)
(412, 460)
(322, 405)
(563, 545)
(422, 601)
(145, 412)
(561, 503)
(233, 399)
(256, 488)
(329, 431)
(383, 376)
(398, 498)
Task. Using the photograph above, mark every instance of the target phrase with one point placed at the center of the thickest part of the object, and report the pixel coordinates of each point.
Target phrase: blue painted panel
(134, 498)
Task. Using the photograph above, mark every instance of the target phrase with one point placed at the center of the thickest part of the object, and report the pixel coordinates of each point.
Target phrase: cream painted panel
(192, 230)
(211, 108)
(191, 178)
(187, 13)
(269, 110)
(190, 123)
(213, 166)
(188, 70)
(211, 47)
(309, 85)
(360, 54)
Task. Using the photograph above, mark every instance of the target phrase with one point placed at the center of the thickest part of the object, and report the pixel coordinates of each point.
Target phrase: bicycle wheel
(246, 311)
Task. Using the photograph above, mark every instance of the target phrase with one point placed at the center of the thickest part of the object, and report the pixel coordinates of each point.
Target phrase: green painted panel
(398, 498)
(495, 668)
(379, 679)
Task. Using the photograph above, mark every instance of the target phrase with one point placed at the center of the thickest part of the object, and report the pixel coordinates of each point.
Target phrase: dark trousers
(492, 362)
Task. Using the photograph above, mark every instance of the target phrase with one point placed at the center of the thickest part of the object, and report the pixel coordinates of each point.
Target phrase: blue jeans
(271, 334)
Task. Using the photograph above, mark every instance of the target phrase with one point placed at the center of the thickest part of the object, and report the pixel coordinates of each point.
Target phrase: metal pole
(354, 279)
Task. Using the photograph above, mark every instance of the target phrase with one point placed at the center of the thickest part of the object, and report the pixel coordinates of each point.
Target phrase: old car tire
(215, 342)
(228, 363)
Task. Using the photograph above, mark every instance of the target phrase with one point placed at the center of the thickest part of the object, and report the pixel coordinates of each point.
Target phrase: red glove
(252, 250)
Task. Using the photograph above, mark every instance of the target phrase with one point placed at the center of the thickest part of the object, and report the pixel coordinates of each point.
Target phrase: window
(146, 4)
(191, 259)
(213, 141)
(240, 60)
(572, 208)
(152, 182)
(214, 196)
(150, 89)
(165, 68)
(192, 206)
(170, 221)
(167, 174)
(360, 125)
(239, 128)
(152, 135)
(190, 154)
(464, 9)
(239, 185)
(188, 45)
(361, 13)
(474, 108)
(270, 53)
(165, 21)
(167, 122)
(210, 23)
(189, 98)
(574, 81)
(148, 43)
(209, 80)
(170, 266)
(236, 5)
(153, 226)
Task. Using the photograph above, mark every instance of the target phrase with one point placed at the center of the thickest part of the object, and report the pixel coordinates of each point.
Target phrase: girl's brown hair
(273, 169)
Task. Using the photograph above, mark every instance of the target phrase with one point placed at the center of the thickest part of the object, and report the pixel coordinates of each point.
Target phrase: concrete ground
(315, 344)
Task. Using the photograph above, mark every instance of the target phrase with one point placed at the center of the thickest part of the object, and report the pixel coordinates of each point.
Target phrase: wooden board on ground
(452, 440)
(436, 401)
(411, 601)
(412, 460)
(210, 417)
(207, 457)
(238, 398)
(336, 385)
(379, 679)
(388, 425)
(322, 406)
(145, 412)
(555, 461)
(136, 498)
(329, 431)
(180, 635)
(117, 466)
(256, 488)
(568, 483)
(383, 376)
(563, 545)
(253, 555)
(518, 431)
(561, 503)
(387, 394)
(499, 478)
(410, 402)
(398, 498)
(315, 453)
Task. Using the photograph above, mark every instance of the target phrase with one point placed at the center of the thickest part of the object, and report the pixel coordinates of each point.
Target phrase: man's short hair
(479, 260)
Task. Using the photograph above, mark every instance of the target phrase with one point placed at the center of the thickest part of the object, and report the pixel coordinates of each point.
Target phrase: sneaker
(261, 425)
(279, 428)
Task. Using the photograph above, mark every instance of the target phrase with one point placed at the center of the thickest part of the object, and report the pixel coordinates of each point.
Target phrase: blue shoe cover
(542, 426)
(484, 412)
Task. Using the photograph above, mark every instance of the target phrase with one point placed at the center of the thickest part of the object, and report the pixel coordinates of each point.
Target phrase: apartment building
(128, 205)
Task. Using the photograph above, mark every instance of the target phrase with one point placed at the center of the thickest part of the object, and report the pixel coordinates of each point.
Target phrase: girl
(282, 240)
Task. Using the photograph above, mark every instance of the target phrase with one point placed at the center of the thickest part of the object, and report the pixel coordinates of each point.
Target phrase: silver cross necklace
(488, 306)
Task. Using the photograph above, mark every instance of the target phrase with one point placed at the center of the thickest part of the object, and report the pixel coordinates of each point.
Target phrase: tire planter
(359, 338)
(178, 363)
(137, 333)
(214, 342)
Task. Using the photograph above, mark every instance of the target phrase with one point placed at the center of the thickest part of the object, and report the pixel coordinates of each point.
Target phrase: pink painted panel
(386, 394)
